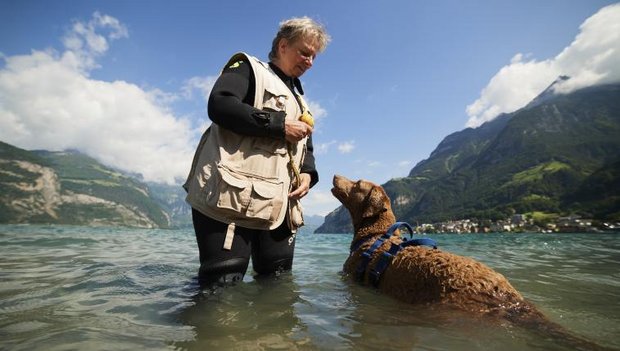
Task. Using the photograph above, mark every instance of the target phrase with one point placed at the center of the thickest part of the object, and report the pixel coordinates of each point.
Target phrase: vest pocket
(272, 101)
(266, 201)
(246, 196)
(234, 193)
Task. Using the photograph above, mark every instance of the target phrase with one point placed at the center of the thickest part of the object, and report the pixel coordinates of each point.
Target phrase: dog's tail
(536, 321)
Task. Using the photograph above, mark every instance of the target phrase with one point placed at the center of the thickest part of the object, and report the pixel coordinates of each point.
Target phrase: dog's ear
(374, 204)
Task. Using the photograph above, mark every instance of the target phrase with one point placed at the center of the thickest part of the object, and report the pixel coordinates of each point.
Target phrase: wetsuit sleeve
(309, 165)
(231, 105)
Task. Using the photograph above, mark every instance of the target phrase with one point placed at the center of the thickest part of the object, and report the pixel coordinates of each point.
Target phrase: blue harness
(385, 258)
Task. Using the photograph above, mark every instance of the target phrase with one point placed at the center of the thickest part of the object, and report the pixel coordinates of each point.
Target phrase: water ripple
(114, 288)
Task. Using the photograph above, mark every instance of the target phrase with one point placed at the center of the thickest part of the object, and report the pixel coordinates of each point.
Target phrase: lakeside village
(519, 223)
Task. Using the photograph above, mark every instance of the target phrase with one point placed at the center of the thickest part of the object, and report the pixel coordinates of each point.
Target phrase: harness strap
(384, 261)
(357, 244)
(397, 225)
(367, 255)
(386, 257)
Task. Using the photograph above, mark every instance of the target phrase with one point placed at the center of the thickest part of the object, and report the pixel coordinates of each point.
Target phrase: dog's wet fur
(420, 274)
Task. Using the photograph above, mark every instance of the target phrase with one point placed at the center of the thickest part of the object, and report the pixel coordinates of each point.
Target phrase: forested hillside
(558, 155)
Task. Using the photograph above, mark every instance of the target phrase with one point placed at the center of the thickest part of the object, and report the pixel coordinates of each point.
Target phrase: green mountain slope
(549, 156)
(71, 188)
(171, 198)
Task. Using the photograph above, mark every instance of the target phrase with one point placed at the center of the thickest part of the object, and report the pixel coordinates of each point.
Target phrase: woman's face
(296, 57)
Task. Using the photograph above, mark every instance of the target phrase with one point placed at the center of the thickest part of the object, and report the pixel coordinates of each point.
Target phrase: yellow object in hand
(307, 118)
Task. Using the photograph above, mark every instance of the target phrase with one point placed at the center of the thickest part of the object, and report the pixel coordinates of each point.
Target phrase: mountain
(560, 154)
(172, 200)
(548, 93)
(314, 220)
(71, 188)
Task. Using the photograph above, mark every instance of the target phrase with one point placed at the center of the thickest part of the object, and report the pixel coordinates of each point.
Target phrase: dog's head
(362, 198)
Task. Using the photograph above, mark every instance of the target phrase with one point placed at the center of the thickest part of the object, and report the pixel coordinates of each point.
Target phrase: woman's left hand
(295, 130)
(303, 189)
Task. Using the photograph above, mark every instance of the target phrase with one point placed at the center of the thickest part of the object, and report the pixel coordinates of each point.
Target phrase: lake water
(80, 288)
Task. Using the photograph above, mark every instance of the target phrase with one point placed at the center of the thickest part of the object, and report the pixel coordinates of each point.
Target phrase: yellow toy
(307, 118)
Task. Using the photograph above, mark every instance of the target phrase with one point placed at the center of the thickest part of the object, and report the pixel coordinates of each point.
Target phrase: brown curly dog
(422, 274)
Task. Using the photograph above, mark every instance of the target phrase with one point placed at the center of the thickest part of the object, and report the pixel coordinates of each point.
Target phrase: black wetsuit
(231, 106)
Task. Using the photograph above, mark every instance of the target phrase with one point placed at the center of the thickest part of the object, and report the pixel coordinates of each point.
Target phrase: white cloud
(346, 147)
(47, 101)
(86, 44)
(318, 112)
(323, 148)
(592, 58)
(511, 88)
(203, 85)
(319, 202)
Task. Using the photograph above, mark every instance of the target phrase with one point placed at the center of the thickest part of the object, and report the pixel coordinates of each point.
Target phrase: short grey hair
(300, 28)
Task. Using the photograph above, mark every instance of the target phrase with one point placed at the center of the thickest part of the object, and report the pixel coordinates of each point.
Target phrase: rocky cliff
(71, 188)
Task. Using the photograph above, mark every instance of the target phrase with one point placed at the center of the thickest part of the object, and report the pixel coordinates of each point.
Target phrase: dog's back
(418, 274)
(421, 274)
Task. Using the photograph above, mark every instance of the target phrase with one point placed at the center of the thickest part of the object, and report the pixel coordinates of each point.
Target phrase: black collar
(291, 82)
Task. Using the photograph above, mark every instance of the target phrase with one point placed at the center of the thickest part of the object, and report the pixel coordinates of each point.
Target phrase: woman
(255, 162)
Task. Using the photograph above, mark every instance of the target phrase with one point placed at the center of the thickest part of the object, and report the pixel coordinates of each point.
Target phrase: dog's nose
(341, 181)
(338, 179)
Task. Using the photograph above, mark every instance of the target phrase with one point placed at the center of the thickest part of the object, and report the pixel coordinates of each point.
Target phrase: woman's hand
(303, 189)
(294, 131)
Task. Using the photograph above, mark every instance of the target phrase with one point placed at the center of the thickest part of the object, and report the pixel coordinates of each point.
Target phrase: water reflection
(252, 315)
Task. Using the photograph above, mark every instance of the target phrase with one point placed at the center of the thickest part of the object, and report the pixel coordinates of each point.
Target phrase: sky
(127, 82)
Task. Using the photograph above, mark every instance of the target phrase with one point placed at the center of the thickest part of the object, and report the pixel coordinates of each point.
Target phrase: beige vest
(243, 180)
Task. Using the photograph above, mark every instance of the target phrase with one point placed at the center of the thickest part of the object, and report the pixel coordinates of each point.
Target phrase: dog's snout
(341, 188)
(340, 181)
(336, 179)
